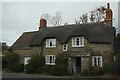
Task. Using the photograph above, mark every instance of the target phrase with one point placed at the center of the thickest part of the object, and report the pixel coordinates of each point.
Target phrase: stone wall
(101, 49)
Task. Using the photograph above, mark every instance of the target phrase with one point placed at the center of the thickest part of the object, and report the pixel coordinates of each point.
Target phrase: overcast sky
(19, 17)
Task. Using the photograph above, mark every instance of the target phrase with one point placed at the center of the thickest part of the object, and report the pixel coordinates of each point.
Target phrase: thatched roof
(94, 32)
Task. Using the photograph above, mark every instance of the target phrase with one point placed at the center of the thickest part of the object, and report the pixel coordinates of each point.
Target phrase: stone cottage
(86, 45)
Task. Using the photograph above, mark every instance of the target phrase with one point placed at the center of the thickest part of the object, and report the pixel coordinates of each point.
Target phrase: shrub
(110, 68)
(60, 67)
(59, 70)
(118, 63)
(4, 63)
(12, 60)
(96, 70)
(29, 69)
(19, 68)
(35, 64)
(85, 73)
(39, 70)
(48, 68)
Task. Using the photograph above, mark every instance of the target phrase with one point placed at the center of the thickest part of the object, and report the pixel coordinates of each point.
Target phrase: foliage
(36, 63)
(85, 73)
(48, 68)
(96, 70)
(96, 15)
(60, 67)
(12, 60)
(19, 68)
(118, 62)
(110, 68)
(117, 44)
(29, 68)
(4, 63)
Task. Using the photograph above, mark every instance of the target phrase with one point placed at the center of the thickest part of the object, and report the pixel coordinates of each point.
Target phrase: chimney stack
(108, 5)
(108, 19)
(43, 23)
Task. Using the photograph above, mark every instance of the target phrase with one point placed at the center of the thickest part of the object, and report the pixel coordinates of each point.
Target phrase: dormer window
(50, 43)
(77, 41)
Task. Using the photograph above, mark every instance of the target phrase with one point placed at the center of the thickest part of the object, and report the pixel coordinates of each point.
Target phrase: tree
(82, 19)
(53, 20)
(117, 44)
(57, 19)
(96, 15)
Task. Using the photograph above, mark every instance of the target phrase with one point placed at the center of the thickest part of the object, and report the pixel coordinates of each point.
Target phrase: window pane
(50, 59)
(77, 41)
(50, 44)
(81, 41)
(95, 61)
(47, 59)
(73, 41)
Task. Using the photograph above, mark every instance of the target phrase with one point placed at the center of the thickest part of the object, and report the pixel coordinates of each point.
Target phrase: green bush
(35, 64)
(19, 68)
(110, 68)
(29, 68)
(118, 62)
(60, 67)
(85, 73)
(59, 70)
(4, 63)
(48, 68)
(96, 70)
(13, 60)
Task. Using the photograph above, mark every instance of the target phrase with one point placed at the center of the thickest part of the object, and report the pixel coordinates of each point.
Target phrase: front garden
(37, 65)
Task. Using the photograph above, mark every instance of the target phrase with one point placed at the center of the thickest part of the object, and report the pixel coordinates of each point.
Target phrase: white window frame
(65, 47)
(81, 42)
(48, 43)
(47, 60)
(26, 59)
(98, 63)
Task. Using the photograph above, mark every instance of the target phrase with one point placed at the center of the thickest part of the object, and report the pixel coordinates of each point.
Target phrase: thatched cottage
(86, 45)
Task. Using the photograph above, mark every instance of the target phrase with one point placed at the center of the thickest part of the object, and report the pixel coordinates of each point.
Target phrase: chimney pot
(108, 5)
(43, 22)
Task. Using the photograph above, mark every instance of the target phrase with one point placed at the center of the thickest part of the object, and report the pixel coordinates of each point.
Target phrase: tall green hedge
(60, 67)
(35, 64)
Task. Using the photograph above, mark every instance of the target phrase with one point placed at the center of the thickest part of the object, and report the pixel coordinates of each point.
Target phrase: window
(65, 46)
(97, 60)
(26, 59)
(50, 59)
(78, 42)
(50, 42)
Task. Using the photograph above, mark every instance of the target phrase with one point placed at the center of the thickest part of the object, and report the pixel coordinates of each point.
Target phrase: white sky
(19, 17)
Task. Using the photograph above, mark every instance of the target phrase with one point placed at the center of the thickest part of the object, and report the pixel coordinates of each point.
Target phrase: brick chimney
(108, 19)
(43, 23)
